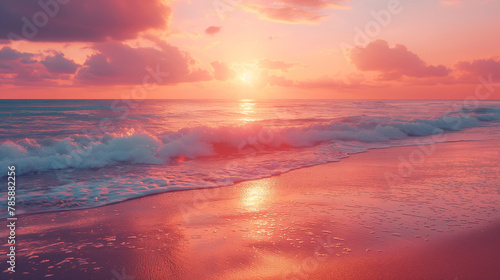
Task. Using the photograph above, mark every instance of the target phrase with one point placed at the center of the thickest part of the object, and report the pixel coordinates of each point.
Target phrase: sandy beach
(249, 140)
(385, 214)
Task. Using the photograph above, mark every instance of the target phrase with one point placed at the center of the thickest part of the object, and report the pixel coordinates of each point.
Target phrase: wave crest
(83, 151)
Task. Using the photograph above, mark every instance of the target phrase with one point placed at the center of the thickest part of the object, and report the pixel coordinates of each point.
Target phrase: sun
(247, 77)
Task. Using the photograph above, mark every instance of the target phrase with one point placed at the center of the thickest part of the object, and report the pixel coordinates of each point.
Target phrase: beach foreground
(384, 214)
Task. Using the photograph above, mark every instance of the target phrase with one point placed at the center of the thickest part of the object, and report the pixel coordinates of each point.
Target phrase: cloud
(275, 65)
(293, 11)
(470, 71)
(57, 63)
(393, 62)
(8, 54)
(352, 81)
(280, 81)
(118, 63)
(21, 68)
(82, 21)
(212, 30)
(222, 72)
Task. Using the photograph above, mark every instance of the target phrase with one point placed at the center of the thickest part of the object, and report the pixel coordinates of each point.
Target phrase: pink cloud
(393, 62)
(117, 63)
(212, 30)
(279, 81)
(57, 63)
(275, 65)
(294, 11)
(9, 54)
(83, 21)
(465, 72)
(222, 72)
(351, 82)
(21, 68)
(470, 71)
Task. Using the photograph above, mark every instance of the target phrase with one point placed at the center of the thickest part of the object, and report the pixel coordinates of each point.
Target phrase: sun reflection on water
(256, 196)
(247, 109)
(257, 200)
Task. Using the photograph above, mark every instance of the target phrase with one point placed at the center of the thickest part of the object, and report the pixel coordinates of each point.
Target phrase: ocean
(74, 154)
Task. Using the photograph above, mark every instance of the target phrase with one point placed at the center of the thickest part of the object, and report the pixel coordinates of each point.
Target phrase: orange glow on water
(247, 109)
(181, 159)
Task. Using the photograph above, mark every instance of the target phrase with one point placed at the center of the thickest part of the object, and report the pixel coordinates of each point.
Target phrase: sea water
(72, 154)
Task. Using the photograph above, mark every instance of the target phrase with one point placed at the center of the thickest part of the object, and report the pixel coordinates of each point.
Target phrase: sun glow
(247, 110)
(256, 196)
(247, 77)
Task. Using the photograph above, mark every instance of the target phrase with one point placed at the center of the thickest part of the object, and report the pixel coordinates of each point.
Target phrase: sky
(250, 49)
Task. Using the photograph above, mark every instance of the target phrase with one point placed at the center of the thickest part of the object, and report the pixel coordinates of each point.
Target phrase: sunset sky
(75, 49)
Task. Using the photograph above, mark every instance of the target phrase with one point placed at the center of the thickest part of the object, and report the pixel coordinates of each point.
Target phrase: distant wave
(51, 111)
(54, 108)
(135, 147)
(62, 114)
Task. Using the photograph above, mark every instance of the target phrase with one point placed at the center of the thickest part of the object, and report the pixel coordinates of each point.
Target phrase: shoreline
(339, 220)
(247, 180)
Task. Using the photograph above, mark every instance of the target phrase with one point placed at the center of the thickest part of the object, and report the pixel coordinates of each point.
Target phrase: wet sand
(400, 213)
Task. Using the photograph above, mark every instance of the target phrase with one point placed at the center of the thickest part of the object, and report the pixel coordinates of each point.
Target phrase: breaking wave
(136, 147)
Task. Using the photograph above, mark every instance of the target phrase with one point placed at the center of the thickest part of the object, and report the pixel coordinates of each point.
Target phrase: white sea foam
(82, 151)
